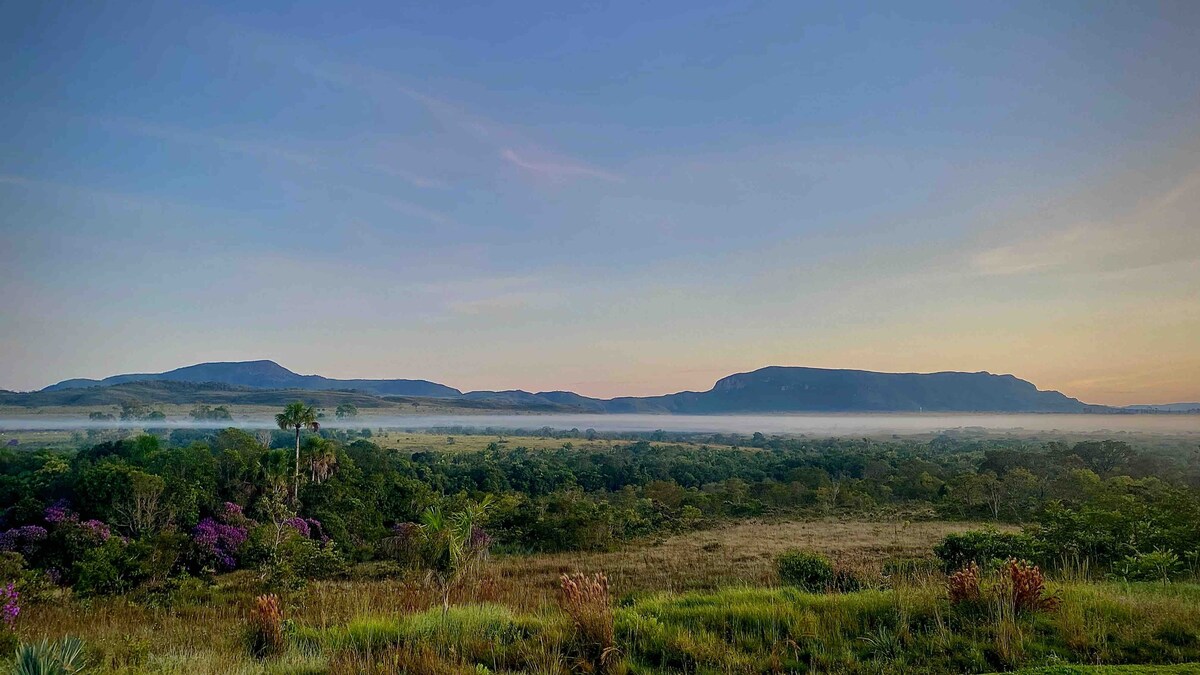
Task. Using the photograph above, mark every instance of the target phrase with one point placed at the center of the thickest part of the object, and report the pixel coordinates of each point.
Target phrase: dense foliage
(144, 510)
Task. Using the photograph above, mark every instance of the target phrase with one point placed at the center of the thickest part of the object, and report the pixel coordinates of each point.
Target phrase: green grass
(487, 634)
(1182, 669)
(757, 630)
(754, 630)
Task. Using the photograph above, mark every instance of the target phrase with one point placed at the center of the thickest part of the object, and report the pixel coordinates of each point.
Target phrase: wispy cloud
(557, 170)
(504, 140)
(1164, 230)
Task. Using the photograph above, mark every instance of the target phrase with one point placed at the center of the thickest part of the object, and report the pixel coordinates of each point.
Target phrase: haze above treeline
(773, 389)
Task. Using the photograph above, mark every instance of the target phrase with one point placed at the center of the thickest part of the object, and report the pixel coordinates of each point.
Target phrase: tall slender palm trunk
(296, 474)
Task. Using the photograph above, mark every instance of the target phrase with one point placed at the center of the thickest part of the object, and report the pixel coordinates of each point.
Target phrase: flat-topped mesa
(773, 389)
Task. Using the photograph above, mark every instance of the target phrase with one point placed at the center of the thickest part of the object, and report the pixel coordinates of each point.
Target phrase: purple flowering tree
(24, 540)
(60, 512)
(219, 540)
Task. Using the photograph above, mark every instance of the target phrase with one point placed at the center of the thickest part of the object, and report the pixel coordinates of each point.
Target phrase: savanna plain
(317, 550)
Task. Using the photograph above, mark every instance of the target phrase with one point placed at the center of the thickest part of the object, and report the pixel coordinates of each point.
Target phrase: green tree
(449, 548)
(346, 410)
(297, 416)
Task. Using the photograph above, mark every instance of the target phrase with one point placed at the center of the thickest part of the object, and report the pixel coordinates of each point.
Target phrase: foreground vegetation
(372, 625)
(315, 551)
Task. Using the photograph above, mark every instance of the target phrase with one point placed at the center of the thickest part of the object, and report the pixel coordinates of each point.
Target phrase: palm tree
(297, 416)
(451, 548)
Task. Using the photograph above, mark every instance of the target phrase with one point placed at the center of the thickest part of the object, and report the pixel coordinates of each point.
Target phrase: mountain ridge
(267, 374)
(771, 389)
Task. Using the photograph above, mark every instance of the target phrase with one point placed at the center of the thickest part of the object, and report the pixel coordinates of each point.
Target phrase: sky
(624, 198)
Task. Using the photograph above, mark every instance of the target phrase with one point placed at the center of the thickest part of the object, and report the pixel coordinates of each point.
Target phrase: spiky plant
(60, 657)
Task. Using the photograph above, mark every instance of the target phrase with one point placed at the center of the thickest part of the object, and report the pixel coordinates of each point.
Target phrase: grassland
(703, 602)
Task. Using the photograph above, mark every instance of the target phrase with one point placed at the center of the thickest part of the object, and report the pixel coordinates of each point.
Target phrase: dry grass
(736, 554)
(204, 633)
(427, 442)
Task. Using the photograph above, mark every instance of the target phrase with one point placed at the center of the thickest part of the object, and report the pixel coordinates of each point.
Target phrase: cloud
(1164, 230)
(557, 170)
(501, 138)
(1049, 251)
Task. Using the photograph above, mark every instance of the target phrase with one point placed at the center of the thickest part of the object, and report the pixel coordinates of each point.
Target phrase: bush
(1157, 566)
(315, 560)
(805, 570)
(112, 568)
(982, 547)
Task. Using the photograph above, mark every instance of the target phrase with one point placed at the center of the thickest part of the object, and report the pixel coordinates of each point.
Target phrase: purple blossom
(96, 529)
(298, 524)
(9, 599)
(24, 539)
(60, 512)
(219, 542)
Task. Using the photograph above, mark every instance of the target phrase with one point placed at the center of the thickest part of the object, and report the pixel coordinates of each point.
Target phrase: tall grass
(674, 614)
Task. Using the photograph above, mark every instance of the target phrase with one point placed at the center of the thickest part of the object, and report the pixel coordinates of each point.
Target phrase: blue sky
(614, 198)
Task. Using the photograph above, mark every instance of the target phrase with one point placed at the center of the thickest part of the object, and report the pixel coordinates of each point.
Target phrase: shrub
(1157, 566)
(587, 601)
(264, 630)
(315, 560)
(804, 569)
(112, 568)
(958, 550)
(963, 585)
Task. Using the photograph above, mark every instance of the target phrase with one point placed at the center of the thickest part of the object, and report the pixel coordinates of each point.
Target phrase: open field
(705, 602)
(737, 554)
(198, 629)
(688, 536)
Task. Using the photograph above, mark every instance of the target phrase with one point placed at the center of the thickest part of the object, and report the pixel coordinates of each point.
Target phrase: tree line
(308, 501)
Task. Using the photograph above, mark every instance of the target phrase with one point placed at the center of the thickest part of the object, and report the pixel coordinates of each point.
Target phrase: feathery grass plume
(963, 585)
(586, 599)
(1025, 586)
(264, 630)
